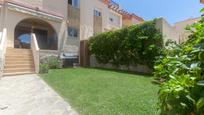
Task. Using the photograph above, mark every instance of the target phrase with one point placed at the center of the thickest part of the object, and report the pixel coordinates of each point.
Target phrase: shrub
(181, 72)
(138, 44)
(51, 62)
(44, 68)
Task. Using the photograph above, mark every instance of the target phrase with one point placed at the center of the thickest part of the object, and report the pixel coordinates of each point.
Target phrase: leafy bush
(51, 62)
(138, 44)
(44, 68)
(180, 70)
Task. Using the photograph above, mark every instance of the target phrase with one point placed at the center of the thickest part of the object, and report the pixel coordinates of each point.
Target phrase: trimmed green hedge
(138, 44)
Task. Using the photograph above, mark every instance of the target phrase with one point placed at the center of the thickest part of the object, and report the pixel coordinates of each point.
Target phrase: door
(42, 38)
(22, 38)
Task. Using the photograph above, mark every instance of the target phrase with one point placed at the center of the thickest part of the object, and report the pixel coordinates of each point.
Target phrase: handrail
(35, 49)
(3, 45)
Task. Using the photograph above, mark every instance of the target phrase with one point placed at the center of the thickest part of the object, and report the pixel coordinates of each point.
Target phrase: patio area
(30, 95)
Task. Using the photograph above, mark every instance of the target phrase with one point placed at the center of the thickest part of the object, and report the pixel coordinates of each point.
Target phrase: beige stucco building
(176, 32)
(31, 30)
(181, 28)
(131, 19)
(96, 17)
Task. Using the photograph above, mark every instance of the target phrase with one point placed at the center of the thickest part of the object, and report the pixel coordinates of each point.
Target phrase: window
(74, 3)
(111, 19)
(114, 19)
(70, 2)
(97, 13)
(72, 32)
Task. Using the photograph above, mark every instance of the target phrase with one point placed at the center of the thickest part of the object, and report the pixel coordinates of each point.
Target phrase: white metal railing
(3, 45)
(36, 51)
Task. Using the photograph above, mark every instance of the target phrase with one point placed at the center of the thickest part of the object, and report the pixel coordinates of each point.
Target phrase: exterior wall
(131, 19)
(177, 32)
(135, 21)
(74, 17)
(167, 30)
(126, 22)
(117, 20)
(87, 17)
(58, 6)
(97, 26)
(10, 24)
(72, 44)
(55, 6)
(180, 27)
(0, 19)
(33, 2)
(60, 26)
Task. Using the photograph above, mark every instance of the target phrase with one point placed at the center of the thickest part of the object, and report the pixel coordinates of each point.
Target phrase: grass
(104, 92)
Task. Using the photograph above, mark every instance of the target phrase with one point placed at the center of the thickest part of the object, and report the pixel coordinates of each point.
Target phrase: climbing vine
(138, 44)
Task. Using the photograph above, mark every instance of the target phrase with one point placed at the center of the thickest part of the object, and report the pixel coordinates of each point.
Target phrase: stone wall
(47, 53)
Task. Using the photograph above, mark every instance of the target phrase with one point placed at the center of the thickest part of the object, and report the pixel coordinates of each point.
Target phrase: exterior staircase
(18, 62)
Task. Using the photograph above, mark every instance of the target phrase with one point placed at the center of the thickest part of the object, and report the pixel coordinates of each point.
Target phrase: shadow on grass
(121, 71)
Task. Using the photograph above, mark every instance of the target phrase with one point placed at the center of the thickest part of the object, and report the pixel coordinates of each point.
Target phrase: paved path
(30, 95)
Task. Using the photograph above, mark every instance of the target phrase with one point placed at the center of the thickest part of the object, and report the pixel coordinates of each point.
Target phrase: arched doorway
(45, 34)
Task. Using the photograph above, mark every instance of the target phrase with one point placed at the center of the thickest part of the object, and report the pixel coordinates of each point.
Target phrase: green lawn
(104, 92)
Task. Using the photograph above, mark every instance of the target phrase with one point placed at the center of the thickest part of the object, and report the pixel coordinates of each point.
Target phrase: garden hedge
(138, 44)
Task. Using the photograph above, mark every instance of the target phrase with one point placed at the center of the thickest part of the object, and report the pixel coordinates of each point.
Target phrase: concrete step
(22, 51)
(13, 66)
(18, 62)
(17, 49)
(17, 53)
(17, 73)
(14, 70)
(19, 56)
(18, 59)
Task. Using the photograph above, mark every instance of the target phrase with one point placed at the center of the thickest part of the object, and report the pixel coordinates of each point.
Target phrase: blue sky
(172, 10)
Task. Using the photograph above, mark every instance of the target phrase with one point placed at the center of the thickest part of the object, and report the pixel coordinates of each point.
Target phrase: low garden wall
(139, 68)
(48, 53)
